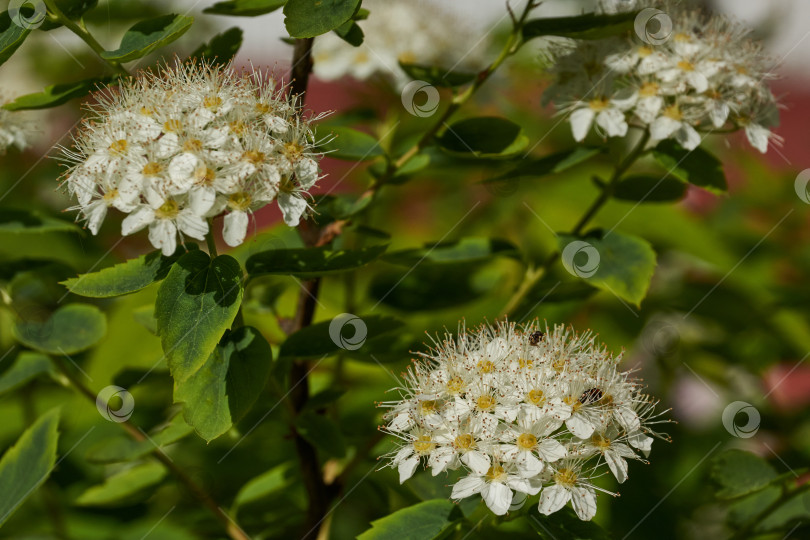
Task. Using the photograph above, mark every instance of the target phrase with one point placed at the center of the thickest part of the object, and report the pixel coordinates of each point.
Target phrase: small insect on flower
(177, 147)
(497, 404)
(705, 75)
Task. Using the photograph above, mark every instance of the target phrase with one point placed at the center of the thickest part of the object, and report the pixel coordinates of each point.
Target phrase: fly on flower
(708, 76)
(174, 148)
(520, 414)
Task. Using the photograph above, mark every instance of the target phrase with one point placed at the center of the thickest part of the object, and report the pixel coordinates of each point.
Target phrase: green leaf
(565, 525)
(736, 473)
(587, 26)
(196, 304)
(220, 393)
(245, 8)
(11, 36)
(351, 333)
(618, 263)
(350, 144)
(322, 433)
(266, 483)
(56, 94)
(70, 329)
(124, 278)
(351, 33)
(436, 75)
(124, 448)
(487, 137)
(27, 464)
(23, 222)
(312, 262)
(310, 18)
(648, 188)
(27, 366)
(221, 49)
(551, 164)
(149, 35)
(464, 250)
(698, 167)
(426, 520)
(124, 486)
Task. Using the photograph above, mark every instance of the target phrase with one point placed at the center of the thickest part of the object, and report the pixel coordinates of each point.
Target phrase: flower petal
(584, 501)
(498, 497)
(235, 227)
(552, 499)
(467, 486)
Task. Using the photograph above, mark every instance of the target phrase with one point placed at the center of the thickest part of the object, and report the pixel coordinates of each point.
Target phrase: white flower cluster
(189, 143)
(705, 75)
(521, 410)
(408, 31)
(15, 129)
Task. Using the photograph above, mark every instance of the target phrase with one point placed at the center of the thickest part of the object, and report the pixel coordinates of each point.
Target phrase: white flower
(399, 30)
(518, 409)
(192, 143)
(569, 486)
(15, 129)
(708, 75)
(495, 487)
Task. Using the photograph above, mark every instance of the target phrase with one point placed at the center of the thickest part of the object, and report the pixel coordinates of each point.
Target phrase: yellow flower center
(423, 445)
(523, 363)
(465, 442)
(263, 108)
(644, 52)
(408, 57)
(648, 89)
(212, 102)
(253, 156)
(455, 385)
(674, 112)
(683, 37)
(172, 125)
(599, 104)
(485, 402)
(119, 146)
(686, 66)
(152, 168)
(573, 402)
(292, 149)
(192, 145)
(427, 407)
(239, 201)
(110, 195)
(566, 477)
(496, 474)
(485, 366)
(237, 127)
(169, 210)
(536, 397)
(601, 442)
(558, 364)
(607, 400)
(204, 175)
(146, 111)
(526, 441)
